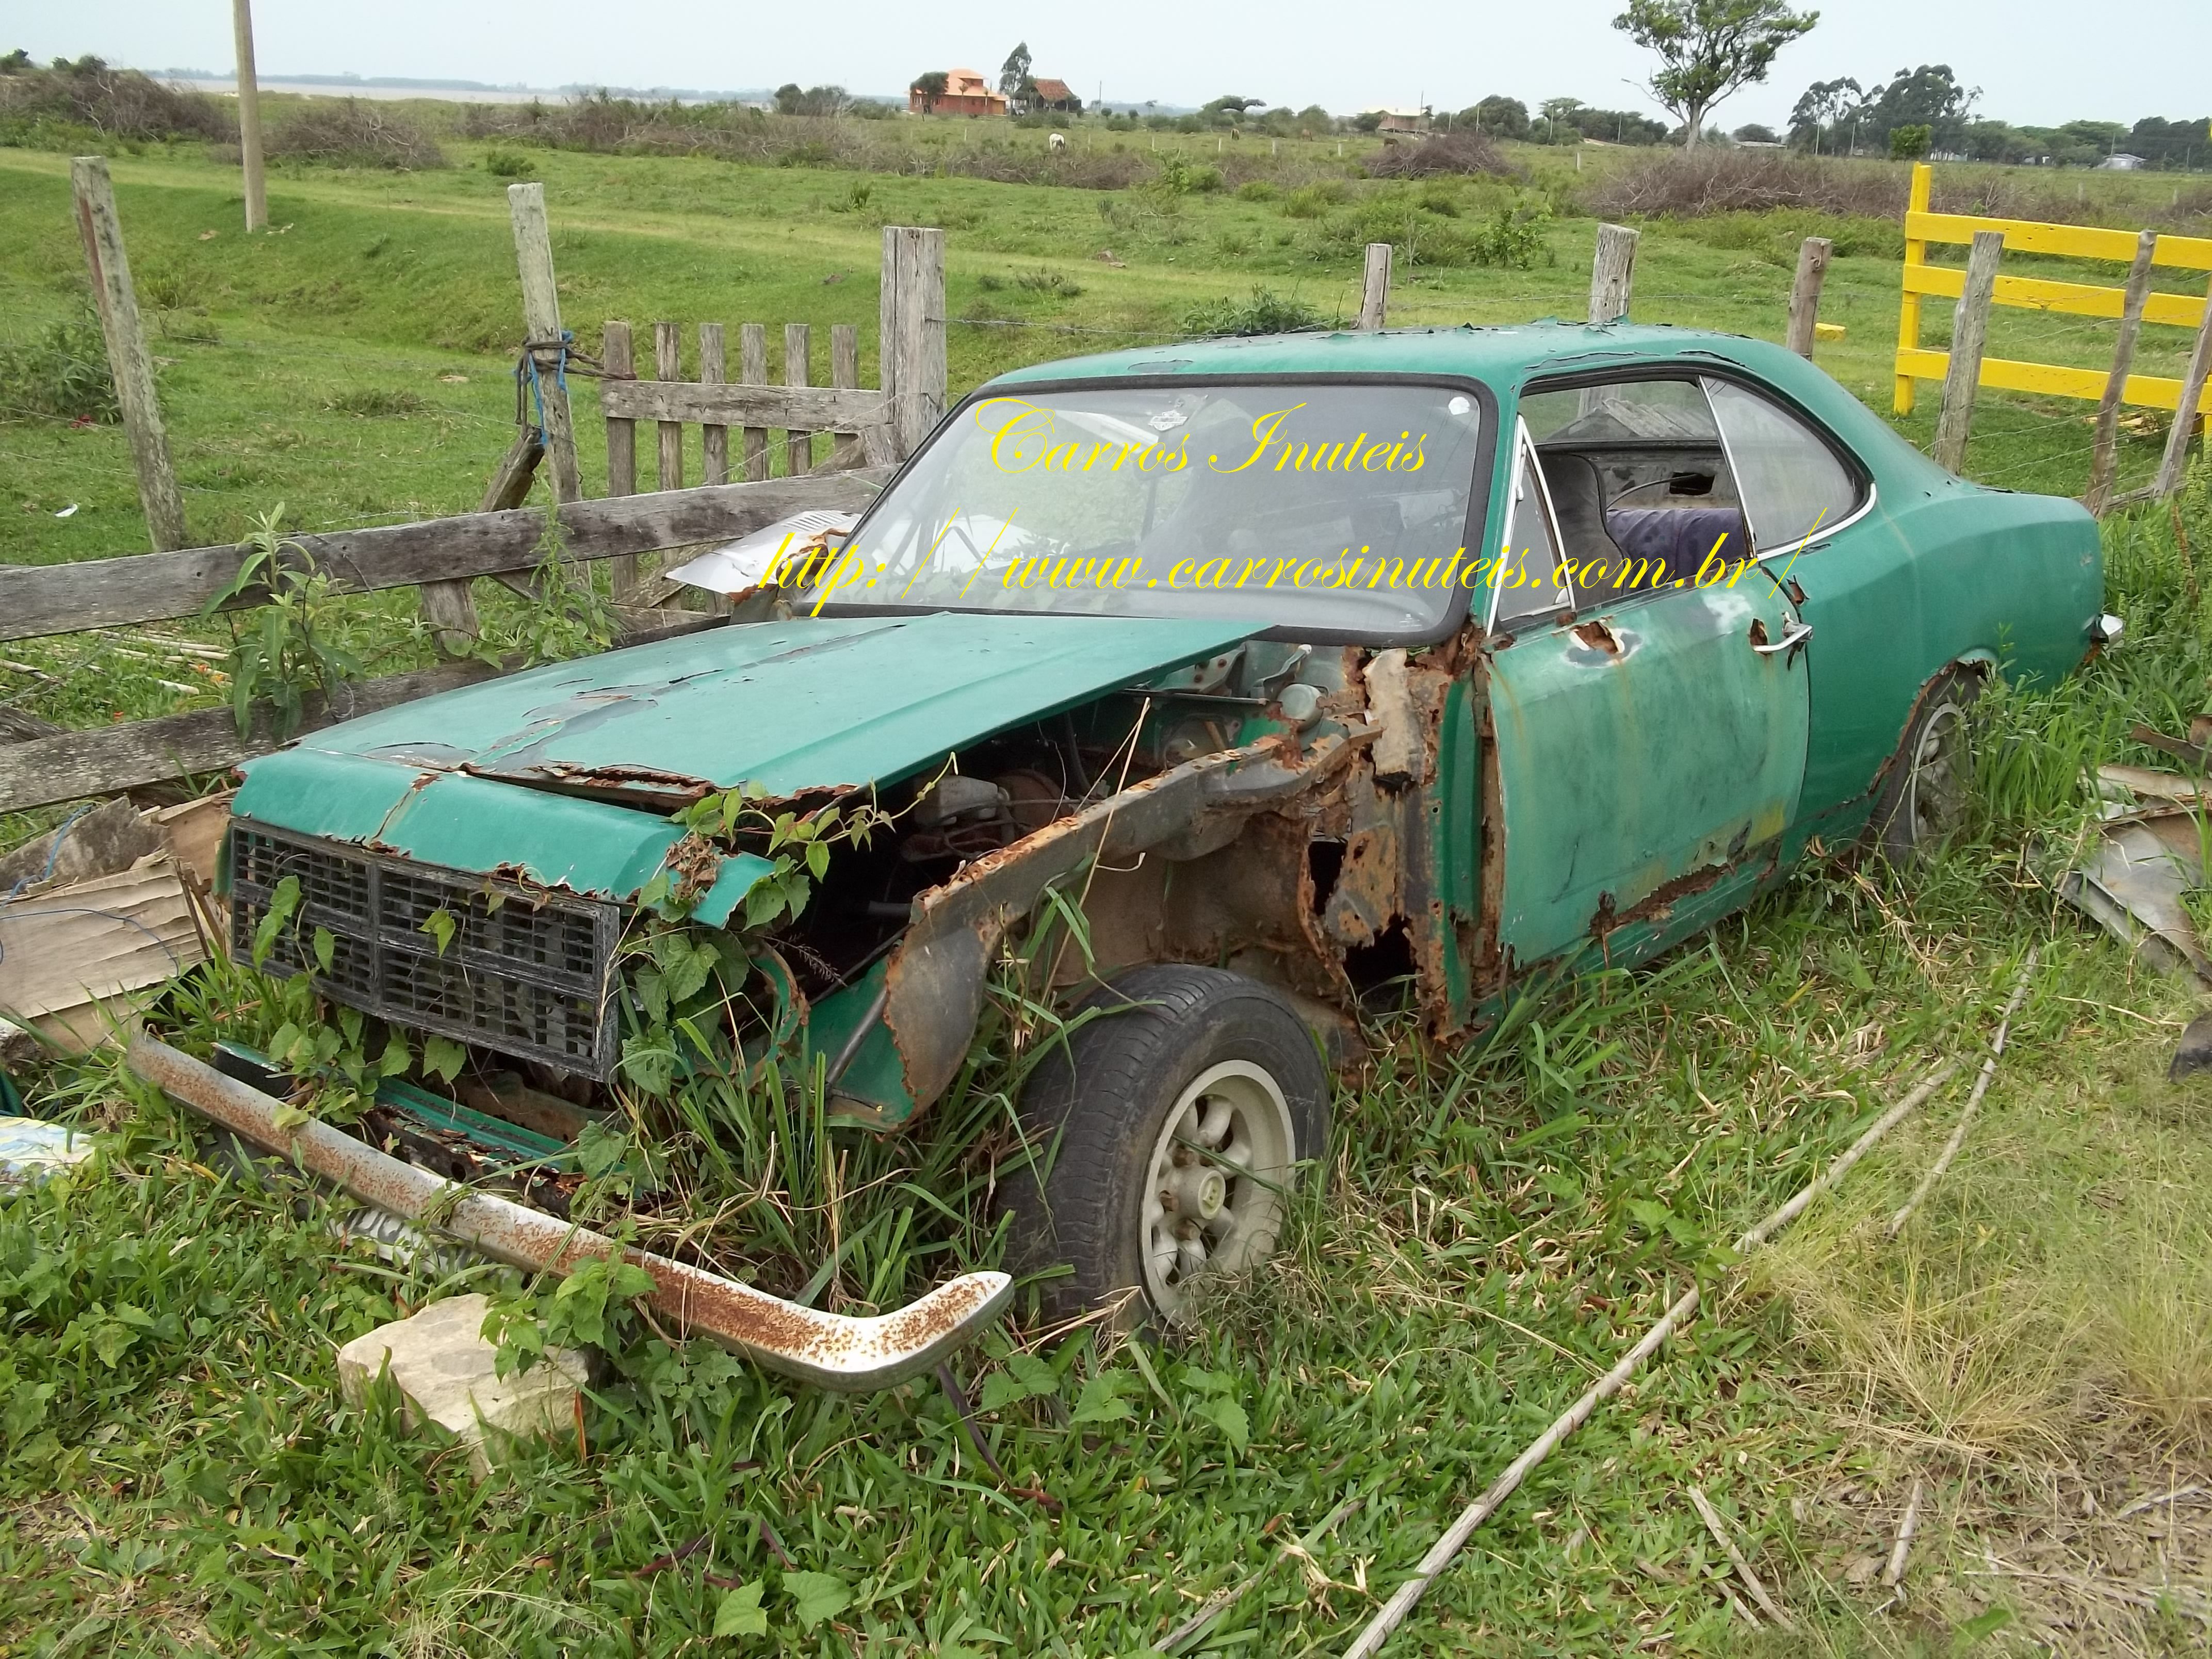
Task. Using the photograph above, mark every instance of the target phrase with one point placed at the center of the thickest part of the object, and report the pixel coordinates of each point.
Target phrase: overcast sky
(2033, 58)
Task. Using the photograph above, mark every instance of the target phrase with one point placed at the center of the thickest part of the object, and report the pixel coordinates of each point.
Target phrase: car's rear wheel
(1923, 798)
(1171, 1125)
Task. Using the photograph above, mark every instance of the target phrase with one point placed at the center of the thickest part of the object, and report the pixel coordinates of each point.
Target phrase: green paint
(817, 703)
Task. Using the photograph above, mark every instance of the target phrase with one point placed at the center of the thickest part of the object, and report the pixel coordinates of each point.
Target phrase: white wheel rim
(1935, 796)
(1213, 1193)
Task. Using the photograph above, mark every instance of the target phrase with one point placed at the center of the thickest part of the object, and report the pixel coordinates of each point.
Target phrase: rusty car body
(1698, 607)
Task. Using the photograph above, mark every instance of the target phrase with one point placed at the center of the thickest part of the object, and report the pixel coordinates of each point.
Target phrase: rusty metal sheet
(832, 1351)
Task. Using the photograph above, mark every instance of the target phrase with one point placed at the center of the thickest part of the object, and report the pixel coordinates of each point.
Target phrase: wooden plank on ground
(65, 952)
(63, 599)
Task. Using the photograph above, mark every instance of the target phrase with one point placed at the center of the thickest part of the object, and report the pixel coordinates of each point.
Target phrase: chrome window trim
(1525, 464)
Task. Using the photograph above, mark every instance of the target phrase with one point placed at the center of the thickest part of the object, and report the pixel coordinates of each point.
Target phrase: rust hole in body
(1596, 635)
(1757, 631)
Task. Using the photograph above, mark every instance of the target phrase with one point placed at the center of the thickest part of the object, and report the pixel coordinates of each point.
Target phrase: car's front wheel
(1923, 802)
(1171, 1127)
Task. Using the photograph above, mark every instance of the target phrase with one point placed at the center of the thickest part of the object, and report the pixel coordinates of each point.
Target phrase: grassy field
(2035, 1349)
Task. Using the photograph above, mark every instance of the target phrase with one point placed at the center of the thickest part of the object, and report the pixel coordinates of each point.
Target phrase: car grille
(524, 974)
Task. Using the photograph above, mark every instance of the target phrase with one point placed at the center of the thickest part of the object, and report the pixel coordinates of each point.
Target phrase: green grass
(1501, 1220)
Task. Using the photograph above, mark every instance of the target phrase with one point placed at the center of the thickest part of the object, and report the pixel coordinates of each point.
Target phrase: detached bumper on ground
(830, 1350)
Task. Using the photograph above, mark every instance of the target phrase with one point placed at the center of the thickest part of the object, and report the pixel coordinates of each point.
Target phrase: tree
(1231, 106)
(787, 98)
(1909, 144)
(1015, 71)
(1558, 110)
(931, 86)
(15, 62)
(1824, 104)
(1497, 115)
(1930, 96)
(1709, 49)
(1753, 133)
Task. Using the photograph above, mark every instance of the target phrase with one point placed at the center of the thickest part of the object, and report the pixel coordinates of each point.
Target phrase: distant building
(966, 92)
(2121, 162)
(1057, 95)
(1403, 120)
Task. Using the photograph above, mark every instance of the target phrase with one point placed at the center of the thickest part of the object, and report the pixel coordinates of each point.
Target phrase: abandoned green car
(1259, 679)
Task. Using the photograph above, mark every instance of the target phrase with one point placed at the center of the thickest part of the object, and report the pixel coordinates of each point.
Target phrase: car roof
(1500, 356)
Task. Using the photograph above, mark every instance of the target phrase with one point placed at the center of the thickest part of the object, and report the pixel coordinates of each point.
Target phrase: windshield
(1332, 508)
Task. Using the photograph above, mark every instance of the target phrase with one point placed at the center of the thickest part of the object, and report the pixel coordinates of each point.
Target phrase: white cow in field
(1057, 143)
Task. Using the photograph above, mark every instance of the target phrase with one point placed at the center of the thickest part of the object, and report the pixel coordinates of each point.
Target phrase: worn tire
(1923, 795)
(1098, 1108)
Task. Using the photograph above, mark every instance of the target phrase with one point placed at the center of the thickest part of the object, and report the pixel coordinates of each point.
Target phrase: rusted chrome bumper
(830, 1350)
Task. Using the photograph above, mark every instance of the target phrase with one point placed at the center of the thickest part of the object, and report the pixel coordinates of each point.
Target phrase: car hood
(798, 707)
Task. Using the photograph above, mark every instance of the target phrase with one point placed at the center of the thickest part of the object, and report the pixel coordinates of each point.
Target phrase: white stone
(446, 1374)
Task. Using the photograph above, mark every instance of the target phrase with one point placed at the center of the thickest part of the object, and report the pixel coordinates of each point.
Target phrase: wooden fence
(1921, 280)
(872, 428)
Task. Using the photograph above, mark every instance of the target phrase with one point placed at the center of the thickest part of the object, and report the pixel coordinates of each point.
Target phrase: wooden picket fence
(872, 428)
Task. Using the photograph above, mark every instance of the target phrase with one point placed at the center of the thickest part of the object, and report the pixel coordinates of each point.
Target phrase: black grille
(524, 972)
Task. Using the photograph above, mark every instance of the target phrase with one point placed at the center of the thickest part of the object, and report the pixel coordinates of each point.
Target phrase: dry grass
(354, 132)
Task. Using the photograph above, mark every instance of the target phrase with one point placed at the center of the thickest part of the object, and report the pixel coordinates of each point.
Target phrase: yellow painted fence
(1914, 362)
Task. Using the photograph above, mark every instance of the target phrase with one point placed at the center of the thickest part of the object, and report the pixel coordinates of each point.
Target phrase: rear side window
(1791, 484)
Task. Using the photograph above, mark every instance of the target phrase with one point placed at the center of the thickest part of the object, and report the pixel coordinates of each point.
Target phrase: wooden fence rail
(1921, 280)
(871, 430)
(140, 587)
(153, 586)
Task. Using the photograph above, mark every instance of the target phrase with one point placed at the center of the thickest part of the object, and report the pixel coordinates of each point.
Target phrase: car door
(1649, 695)
(1850, 577)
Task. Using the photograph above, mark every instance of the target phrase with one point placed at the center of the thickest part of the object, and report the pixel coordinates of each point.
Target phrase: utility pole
(249, 116)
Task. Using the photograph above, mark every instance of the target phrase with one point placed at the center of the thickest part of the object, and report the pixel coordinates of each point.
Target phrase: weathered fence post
(2192, 398)
(1612, 274)
(714, 370)
(797, 370)
(127, 357)
(1375, 288)
(2105, 458)
(1970, 329)
(752, 370)
(668, 365)
(911, 331)
(619, 363)
(543, 342)
(249, 117)
(845, 375)
(1805, 294)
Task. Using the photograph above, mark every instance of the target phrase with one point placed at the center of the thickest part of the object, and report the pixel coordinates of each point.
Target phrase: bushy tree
(1908, 143)
(1824, 105)
(1930, 96)
(932, 86)
(1752, 133)
(787, 98)
(1015, 71)
(1709, 49)
(1497, 115)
